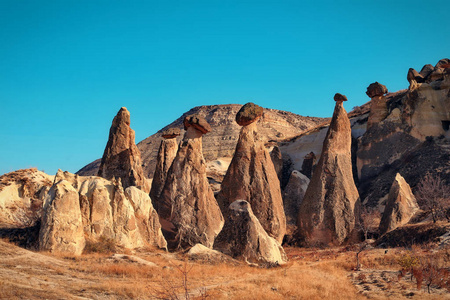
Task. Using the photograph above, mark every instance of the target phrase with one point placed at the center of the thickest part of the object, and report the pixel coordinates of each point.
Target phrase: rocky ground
(309, 274)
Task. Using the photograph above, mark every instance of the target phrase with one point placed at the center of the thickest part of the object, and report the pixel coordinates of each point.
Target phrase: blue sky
(66, 67)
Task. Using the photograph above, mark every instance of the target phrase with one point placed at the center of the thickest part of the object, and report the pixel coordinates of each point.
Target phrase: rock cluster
(93, 208)
(121, 158)
(327, 212)
(428, 73)
(187, 205)
(166, 154)
(244, 238)
(252, 176)
(400, 207)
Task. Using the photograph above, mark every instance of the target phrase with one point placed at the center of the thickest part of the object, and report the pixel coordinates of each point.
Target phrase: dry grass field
(310, 274)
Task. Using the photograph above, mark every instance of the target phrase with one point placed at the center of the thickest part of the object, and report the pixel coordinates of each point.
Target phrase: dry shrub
(103, 245)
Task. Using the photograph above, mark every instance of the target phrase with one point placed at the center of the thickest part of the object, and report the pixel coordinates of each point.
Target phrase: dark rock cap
(198, 122)
(248, 114)
(171, 133)
(376, 89)
(414, 75)
(340, 97)
(443, 63)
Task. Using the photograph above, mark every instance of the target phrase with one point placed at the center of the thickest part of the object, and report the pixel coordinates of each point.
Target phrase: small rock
(340, 97)
(197, 122)
(171, 133)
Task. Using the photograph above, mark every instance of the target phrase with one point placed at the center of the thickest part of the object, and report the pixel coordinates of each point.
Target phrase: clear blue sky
(66, 67)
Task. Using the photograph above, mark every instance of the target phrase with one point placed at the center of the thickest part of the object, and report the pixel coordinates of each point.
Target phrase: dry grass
(310, 274)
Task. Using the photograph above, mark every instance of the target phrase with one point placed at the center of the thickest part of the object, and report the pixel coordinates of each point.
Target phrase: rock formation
(187, 204)
(62, 227)
(400, 207)
(107, 211)
(327, 213)
(277, 160)
(308, 164)
(166, 154)
(252, 176)
(122, 158)
(293, 195)
(378, 107)
(244, 238)
(22, 193)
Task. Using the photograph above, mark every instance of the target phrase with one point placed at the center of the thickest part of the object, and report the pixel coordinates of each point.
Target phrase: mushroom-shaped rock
(376, 89)
(244, 238)
(252, 176)
(400, 207)
(293, 195)
(122, 158)
(327, 212)
(198, 122)
(378, 107)
(62, 226)
(248, 114)
(339, 97)
(171, 133)
(189, 212)
(166, 154)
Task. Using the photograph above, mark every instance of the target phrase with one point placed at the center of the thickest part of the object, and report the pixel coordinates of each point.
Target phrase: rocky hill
(275, 125)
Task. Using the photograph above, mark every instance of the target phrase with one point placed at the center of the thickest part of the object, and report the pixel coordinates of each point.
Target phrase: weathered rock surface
(252, 176)
(205, 254)
(378, 107)
(277, 160)
(244, 238)
(22, 193)
(293, 195)
(187, 203)
(308, 164)
(62, 226)
(108, 212)
(327, 212)
(221, 142)
(400, 207)
(248, 114)
(166, 154)
(122, 158)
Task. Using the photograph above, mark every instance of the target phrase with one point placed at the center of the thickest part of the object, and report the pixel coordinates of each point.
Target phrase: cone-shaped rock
(244, 238)
(400, 207)
(293, 195)
(327, 212)
(252, 176)
(61, 226)
(122, 158)
(189, 212)
(166, 154)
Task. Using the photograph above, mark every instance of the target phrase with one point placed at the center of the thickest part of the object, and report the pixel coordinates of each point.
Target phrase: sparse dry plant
(433, 195)
(369, 221)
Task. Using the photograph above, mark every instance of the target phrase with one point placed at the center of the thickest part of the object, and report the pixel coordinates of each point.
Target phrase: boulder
(248, 114)
(376, 89)
(62, 226)
(245, 239)
(198, 122)
(400, 207)
(187, 206)
(339, 97)
(327, 212)
(293, 195)
(252, 176)
(443, 63)
(171, 133)
(121, 157)
(413, 78)
(166, 154)
(426, 70)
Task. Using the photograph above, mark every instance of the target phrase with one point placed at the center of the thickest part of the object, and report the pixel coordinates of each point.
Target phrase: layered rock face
(400, 207)
(106, 210)
(187, 204)
(22, 193)
(293, 195)
(399, 144)
(62, 226)
(122, 158)
(327, 212)
(166, 154)
(244, 238)
(252, 176)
